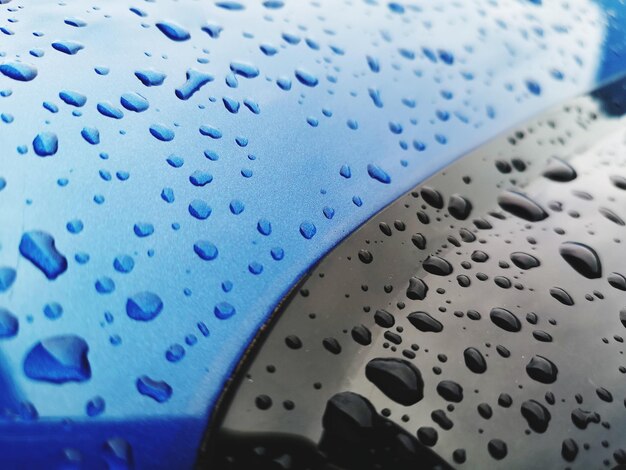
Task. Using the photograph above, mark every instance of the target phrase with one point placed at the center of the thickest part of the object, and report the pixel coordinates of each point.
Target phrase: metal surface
(467, 279)
(169, 169)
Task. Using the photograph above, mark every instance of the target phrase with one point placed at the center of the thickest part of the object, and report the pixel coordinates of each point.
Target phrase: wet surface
(491, 340)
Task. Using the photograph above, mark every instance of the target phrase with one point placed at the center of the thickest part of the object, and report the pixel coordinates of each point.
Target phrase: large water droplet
(46, 144)
(542, 370)
(19, 71)
(521, 206)
(144, 306)
(536, 415)
(9, 324)
(505, 319)
(400, 380)
(173, 31)
(38, 247)
(582, 258)
(160, 391)
(58, 359)
(424, 322)
(559, 170)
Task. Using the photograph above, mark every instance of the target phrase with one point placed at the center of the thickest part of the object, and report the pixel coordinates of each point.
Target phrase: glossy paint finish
(466, 319)
(191, 160)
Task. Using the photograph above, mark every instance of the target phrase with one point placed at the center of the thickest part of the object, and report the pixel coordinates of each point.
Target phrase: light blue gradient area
(450, 76)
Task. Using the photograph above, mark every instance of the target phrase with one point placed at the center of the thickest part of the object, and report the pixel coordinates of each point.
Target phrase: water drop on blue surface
(38, 247)
(212, 30)
(19, 71)
(95, 407)
(158, 390)
(230, 5)
(199, 209)
(46, 144)
(211, 132)
(9, 324)
(134, 102)
(244, 69)
(205, 250)
(264, 227)
(306, 78)
(195, 81)
(7, 277)
(53, 310)
(67, 47)
(105, 285)
(173, 31)
(224, 310)
(307, 230)
(123, 264)
(109, 110)
(143, 229)
(161, 132)
(378, 173)
(144, 306)
(91, 135)
(73, 98)
(175, 353)
(150, 77)
(58, 359)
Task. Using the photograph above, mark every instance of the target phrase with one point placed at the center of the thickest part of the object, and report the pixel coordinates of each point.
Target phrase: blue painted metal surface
(168, 169)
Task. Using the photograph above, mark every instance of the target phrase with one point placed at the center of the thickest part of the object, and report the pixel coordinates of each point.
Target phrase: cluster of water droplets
(171, 169)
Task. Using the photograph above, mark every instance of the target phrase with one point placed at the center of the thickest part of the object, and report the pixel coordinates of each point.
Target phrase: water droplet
(224, 310)
(521, 206)
(417, 289)
(542, 370)
(39, 248)
(134, 102)
(73, 98)
(497, 449)
(95, 407)
(450, 391)
(398, 379)
(378, 174)
(244, 69)
(150, 77)
(58, 359)
(504, 319)
(159, 390)
(559, 170)
(306, 78)
(562, 296)
(9, 324)
(19, 71)
(569, 449)
(67, 47)
(537, 415)
(307, 230)
(195, 81)
(118, 454)
(459, 207)
(173, 31)
(7, 277)
(432, 197)
(46, 144)
(524, 260)
(582, 258)
(144, 306)
(205, 250)
(424, 322)
(437, 266)
(474, 360)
